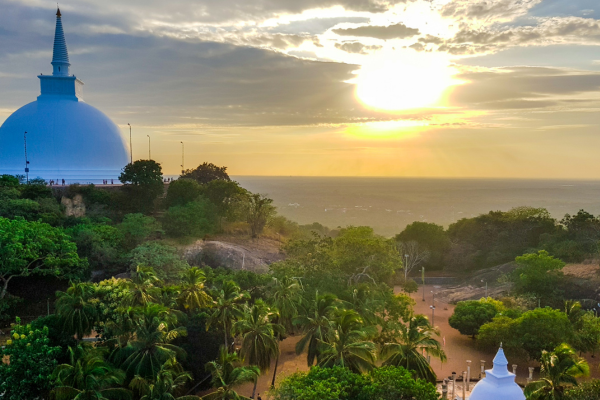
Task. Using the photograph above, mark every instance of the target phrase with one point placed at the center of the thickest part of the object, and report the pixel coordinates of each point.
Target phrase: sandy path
(458, 348)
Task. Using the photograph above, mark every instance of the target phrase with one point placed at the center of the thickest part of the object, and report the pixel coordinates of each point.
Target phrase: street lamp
(149, 157)
(182, 154)
(486, 290)
(423, 281)
(432, 315)
(130, 146)
(26, 161)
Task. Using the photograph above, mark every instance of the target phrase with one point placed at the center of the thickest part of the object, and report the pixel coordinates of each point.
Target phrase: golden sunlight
(386, 129)
(401, 84)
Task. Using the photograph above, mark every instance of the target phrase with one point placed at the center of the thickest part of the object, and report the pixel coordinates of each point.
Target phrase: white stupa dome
(498, 384)
(66, 138)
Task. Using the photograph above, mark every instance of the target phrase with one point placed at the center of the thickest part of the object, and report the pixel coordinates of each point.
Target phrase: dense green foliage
(469, 315)
(28, 375)
(559, 370)
(339, 383)
(206, 173)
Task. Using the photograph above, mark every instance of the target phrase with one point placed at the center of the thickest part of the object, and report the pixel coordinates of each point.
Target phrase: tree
(469, 315)
(584, 391)
(193, 295)
(155, 327)
(227, 373)
(28, 374)
(347, 343)
(144, 287)
(258, 212)
(196, 218)
(334, 383)
(559, 370)
(205, 173)
(227, 308)
(137, 228)
(286, 298)
(168, 383)
(538, 274)
(543, 329)
(396, 383)
(88, 376)
(315, 325)
(227, 197)
(411, 255)
(259, 341)
(34, 248)
(416, 337)
(164, 260)
(430, 237)
(143, 183)
(362, 256)
(77, 309)
(9, 181)
(182, 191)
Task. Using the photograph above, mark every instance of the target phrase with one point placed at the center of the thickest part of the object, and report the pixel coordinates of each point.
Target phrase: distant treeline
(498, 237)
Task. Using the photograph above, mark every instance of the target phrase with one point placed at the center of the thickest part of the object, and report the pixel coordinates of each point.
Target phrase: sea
(389, 204)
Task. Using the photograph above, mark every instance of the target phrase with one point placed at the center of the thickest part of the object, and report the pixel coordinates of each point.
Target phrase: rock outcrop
(74, 207)
(230, 255)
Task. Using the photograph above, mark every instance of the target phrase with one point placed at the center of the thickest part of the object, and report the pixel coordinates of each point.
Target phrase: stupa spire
(60, 56)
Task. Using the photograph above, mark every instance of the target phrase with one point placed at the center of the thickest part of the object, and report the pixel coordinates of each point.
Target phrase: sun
(407, 83)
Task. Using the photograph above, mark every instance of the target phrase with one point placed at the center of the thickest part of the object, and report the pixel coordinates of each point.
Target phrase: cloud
(525, 88)
(356, 47)
(548, 31)
(488, 10)
(397, 31)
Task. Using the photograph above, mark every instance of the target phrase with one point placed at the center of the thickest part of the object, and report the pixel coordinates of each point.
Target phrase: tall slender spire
(60, 56)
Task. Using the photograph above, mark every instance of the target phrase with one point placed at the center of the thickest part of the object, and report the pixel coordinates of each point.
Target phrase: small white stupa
(498, 384)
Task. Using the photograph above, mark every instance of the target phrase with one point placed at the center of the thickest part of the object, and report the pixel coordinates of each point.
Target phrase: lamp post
(468, 373)
(182, 155)
(405, 267)
(26, 161)
(130, 146)
(149, 156)
(423, 281)
(486, 289)
(432, 315)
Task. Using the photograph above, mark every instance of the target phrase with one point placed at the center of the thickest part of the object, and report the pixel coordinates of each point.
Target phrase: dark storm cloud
(522, 87)
(397, 31)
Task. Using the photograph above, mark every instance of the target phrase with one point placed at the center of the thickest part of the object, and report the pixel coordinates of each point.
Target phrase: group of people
(105, 181)
(57, 182)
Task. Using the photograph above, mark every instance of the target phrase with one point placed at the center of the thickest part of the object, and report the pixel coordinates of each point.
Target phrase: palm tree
(169, 381)
(316, 325)
(144, 288)
(286, 298)
(347, 343)
(149, 347)
(226, 374)
(407, 351)
(259, 341)
(559, 370)
(192, 295)
(227, 308)
(77, 310)
(88, 377)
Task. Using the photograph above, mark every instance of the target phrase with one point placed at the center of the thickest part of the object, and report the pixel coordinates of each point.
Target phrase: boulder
(222, 254)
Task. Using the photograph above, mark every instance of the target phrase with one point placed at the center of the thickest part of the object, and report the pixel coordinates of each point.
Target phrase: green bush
(196, 218)
(182, 191)
(162, 258)
(28, 375)
(470, 315)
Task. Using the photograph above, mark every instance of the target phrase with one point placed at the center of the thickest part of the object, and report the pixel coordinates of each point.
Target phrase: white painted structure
(66, 138)
(498, 384)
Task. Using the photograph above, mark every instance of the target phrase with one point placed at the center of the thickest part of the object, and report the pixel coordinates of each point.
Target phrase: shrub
(196, 218)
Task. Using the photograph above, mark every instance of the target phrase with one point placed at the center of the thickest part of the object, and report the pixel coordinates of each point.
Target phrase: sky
(420, 88)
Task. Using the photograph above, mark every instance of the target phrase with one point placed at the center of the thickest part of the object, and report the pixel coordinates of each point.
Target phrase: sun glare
(402, 84)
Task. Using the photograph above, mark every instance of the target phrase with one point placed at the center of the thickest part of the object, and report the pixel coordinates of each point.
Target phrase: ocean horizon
(388, 204)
